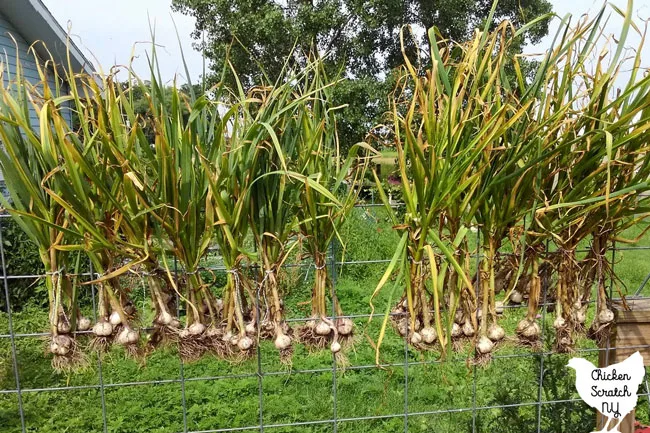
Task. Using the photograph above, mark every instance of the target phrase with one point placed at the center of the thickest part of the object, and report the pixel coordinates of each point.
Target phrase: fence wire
(335, 421)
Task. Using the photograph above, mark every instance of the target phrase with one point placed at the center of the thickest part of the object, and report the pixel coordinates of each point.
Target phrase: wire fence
(407, 410)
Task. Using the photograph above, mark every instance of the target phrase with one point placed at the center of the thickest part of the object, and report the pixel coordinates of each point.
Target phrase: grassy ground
(311, 388)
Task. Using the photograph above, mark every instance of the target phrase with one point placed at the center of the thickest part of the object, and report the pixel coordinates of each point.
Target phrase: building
(22, 24)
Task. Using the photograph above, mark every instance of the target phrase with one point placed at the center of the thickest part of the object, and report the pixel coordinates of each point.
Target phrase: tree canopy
(361, 38)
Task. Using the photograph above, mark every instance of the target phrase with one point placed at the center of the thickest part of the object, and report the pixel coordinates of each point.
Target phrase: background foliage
(360, 37)
(21, 258)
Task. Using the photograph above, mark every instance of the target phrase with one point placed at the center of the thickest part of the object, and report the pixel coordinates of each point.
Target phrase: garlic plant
(538, 165)
(26, 161)
(548, 160)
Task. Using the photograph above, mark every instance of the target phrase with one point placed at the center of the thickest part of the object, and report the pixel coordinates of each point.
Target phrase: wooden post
(631, 328)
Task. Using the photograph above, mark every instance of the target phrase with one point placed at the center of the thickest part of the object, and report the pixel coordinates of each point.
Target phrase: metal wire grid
(334, 420)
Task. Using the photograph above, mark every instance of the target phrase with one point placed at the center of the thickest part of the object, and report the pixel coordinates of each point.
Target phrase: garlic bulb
(282, 342)
(323, 328)
(63, 326)
(468, 329)
(605, 316)
(128, 336)
(429, 335)
(212, 332)
(456, 330)
(60, 345)
(345, 326)
(245, 343)
(251, 328)
(528, 328)
(103, 329)
(496, 332)
(164, 318)
(196, 328)
(83, 324)
(485, 345)
(115, 318)
(403, 327)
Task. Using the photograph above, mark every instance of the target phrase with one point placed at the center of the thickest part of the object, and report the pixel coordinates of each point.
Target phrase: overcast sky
(613, 25)
(108, 30)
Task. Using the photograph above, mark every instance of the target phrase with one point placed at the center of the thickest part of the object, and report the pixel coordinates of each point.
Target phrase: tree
(361, 39)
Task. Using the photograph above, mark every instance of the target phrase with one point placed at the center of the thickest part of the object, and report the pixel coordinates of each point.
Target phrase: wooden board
(630, 332)
(627, 425)
(631, 328)
(638, 310)
(624, 340)
(606, 358)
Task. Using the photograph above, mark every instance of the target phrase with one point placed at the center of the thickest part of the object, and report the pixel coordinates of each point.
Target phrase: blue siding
(11, 50)
(18, 48)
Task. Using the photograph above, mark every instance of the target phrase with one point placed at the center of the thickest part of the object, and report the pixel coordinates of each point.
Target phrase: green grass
(304, 391)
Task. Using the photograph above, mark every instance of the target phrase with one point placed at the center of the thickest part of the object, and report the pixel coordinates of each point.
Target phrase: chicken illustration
(611, 390)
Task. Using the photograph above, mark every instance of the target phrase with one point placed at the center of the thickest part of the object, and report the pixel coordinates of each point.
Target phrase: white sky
(612, 27)
(108, 30)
